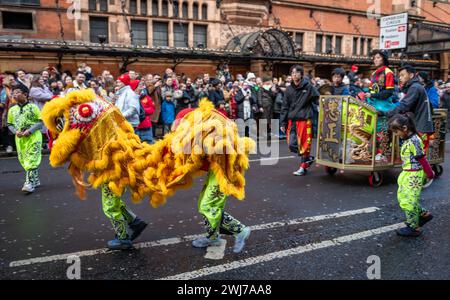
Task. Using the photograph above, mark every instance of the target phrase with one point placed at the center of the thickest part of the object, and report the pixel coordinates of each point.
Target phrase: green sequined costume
(211, 205)
(117, 212)
(411, 180)
(21, 118)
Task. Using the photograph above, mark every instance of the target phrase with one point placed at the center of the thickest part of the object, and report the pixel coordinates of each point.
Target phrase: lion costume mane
(93, 136)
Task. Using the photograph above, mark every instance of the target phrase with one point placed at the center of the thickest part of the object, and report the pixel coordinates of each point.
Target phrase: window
(154, 8)
(185, 10)
(338, 48)
(133, 7)
(180, 35)
(176, 8)
(319, 39)
(355, 46)
(363, 46)
(21, 2)
(98, 26)
(204, 12)
(195, 11)
(139, 29)
(92, 4)
(165, 8)
(17, 20)
(144, 7)
(329, 44)
(369, 46)
(299, 39)
(200, 32)
(103, 5)
(160, 34)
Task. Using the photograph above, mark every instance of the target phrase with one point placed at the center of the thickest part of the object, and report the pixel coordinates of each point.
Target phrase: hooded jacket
(128, 103)
(298, 102)
(416, 101)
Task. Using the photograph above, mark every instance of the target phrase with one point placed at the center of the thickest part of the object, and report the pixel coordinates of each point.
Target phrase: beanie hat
(250, 76)
(125, 78)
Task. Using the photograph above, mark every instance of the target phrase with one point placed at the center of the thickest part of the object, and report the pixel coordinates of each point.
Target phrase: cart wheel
(330, 170)
(376, 179)
(438, 170)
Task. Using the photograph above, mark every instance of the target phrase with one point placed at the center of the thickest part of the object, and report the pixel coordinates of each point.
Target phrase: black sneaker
(425, 220)
(408, 232)
(137, 226)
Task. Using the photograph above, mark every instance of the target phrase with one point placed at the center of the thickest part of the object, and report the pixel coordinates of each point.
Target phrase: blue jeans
(146, 135)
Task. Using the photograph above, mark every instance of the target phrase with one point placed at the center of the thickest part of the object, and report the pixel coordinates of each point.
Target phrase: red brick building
(195, 36)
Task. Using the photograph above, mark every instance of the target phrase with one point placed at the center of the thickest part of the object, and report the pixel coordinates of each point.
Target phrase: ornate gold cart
(347, 138)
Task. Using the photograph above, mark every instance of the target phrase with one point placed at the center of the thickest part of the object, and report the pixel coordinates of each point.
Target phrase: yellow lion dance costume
(92, 135)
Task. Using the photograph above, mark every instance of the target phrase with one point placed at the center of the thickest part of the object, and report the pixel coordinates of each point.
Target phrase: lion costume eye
(60, 122)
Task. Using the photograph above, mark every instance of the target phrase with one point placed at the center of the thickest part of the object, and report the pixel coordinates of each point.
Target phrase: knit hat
(125, 78)
(250, 76)
(354, 68)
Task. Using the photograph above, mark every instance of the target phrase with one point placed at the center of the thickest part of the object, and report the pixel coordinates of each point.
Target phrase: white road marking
(177, 240)
(271, 158)
(216, 252)
(282, 254)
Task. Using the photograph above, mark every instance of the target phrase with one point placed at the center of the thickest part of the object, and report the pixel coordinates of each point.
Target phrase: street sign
(394, 32)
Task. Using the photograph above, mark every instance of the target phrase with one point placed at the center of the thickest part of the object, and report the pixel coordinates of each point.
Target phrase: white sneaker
(28, 187)
(240, 240)
(300, 172)
(9, 149)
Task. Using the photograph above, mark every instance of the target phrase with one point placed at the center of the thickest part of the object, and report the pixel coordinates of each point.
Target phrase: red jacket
(149, 107)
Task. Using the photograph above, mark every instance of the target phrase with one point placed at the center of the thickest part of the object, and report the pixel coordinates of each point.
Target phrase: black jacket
(417, 102)
(216, 96)
(267, 98)
(298, 102)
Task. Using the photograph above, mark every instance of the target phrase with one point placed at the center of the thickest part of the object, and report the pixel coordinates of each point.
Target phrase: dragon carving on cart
(360, 151)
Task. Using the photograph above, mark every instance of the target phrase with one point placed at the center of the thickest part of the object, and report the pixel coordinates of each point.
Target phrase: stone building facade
(326, 33)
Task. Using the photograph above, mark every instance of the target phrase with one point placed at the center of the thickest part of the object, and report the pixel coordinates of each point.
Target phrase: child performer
(24, 121)
(411, 179)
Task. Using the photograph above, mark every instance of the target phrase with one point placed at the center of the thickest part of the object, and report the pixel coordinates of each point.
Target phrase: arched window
(204, 12)
(165, 8)
(175, 8)
(195, 11)
(155, 8)
(185, 10)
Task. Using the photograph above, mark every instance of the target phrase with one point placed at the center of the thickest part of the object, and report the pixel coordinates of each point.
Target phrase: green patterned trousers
(211, 206)
(408, 195)
(117, 212)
